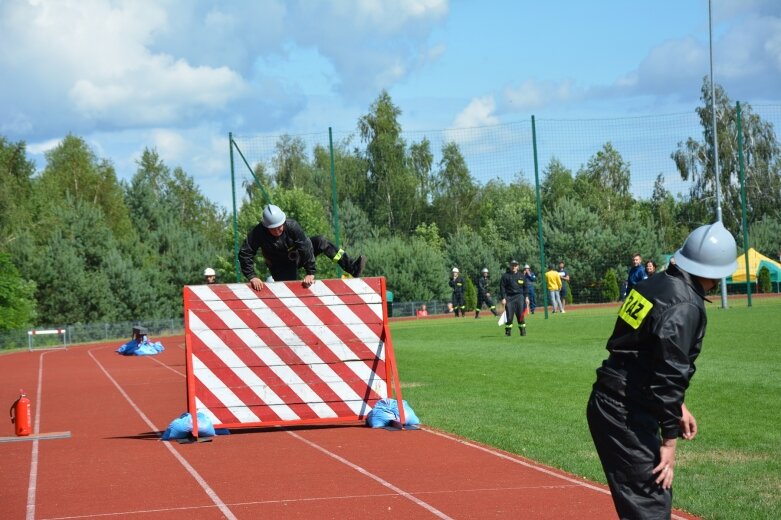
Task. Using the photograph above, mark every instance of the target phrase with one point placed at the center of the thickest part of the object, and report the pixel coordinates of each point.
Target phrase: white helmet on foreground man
(209, 272)
(708, 252)
(273, 217)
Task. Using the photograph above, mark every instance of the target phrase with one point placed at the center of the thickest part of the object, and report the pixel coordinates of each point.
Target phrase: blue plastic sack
(182, 427)
(141, 348)
(387, 410)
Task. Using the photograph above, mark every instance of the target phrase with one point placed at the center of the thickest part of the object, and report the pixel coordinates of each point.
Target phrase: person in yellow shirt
(553, 281)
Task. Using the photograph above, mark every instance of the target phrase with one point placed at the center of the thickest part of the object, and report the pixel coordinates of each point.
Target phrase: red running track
(113, 464)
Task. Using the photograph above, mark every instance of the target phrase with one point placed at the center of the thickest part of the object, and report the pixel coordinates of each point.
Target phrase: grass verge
(528, 396)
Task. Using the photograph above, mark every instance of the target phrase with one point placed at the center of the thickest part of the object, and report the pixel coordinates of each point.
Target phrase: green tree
(766, 236)
(291, 164)
(16, 173)
(351, 167)
(694, 161)
(470, 295)
(763, 279)
(391, 185)
(558, 183)
(414, 271)
(17, 297)
(603, 184)
(610, 291)
(72, 283)
(430, 234)
(455, 191)
(73, 171)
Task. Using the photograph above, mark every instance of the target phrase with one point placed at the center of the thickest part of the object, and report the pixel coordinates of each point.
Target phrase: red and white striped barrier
(288, 355)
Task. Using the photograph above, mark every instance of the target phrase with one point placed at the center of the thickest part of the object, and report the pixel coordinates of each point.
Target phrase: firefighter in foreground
(515, 298)
(286, 249)
(636, 411)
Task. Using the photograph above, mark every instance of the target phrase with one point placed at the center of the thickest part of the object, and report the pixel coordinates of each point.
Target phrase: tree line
(77, 245)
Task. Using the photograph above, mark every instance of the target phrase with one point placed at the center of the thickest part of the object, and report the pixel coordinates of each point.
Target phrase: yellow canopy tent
(756, 261)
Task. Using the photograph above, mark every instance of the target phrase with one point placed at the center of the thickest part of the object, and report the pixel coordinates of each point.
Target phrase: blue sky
(178, 75)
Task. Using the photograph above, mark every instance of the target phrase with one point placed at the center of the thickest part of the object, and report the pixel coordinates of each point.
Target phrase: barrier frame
(362, 293)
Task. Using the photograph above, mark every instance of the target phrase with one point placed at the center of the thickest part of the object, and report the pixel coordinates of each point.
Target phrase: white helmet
(209, 272)
(455, 270)
(709, 252)
(485, 270)
(273, 217)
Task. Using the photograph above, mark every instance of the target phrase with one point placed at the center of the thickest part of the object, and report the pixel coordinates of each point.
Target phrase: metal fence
(90, 332)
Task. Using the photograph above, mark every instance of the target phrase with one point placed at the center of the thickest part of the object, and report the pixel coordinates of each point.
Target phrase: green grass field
(528, 396)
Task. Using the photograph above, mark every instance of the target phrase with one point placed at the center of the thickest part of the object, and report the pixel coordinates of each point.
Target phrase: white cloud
(538, 94)
(746, 57)
(171, 146)
(479, 112)
(43, 146)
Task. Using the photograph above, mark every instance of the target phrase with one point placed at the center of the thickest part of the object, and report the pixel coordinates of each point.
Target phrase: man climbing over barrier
(286, 249)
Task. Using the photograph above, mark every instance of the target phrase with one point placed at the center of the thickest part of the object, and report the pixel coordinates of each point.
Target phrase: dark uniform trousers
(627, 442)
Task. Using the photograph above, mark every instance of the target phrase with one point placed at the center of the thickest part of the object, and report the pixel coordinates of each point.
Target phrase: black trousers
(627, 442)
(458, 299)
(481, 298)
(514, 307)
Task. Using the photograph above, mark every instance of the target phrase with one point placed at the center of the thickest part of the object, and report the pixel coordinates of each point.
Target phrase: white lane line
(206, 488)
(436, 512)
(527, 464)
(460, 492)
(32, 484)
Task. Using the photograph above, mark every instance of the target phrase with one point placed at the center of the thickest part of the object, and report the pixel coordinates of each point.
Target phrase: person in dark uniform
(286, 249)
(636, 410)
(530, 278)
(456, 282)
(515, 298)
(484, 294)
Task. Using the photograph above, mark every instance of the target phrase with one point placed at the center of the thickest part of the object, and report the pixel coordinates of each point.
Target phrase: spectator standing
(564, 275)
(515, 298)
(422, 312)
(530, 278)
(286, 249)
(457, 284)
(636, 410)
(484, 294)
(209, 276)
(636, 274)
(553, 283)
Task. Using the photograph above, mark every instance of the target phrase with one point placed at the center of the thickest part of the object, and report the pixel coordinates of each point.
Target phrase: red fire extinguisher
(20, 415)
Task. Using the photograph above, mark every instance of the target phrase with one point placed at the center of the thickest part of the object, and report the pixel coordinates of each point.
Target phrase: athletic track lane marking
(527, 464)
(374, 477)
(206, 488)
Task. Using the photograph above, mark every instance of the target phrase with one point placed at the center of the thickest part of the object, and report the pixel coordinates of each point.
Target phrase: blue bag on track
(182, 427)
(387, 410)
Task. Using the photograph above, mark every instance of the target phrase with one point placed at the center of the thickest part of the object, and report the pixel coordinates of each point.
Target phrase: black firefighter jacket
(657, 337)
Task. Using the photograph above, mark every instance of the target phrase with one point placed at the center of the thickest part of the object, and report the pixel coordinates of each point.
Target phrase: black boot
(477, 314)
(508, 331)
(352, 267)
(523, 329)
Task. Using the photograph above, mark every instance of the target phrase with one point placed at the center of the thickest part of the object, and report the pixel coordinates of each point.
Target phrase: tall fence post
(743, 200)
(539, 219)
